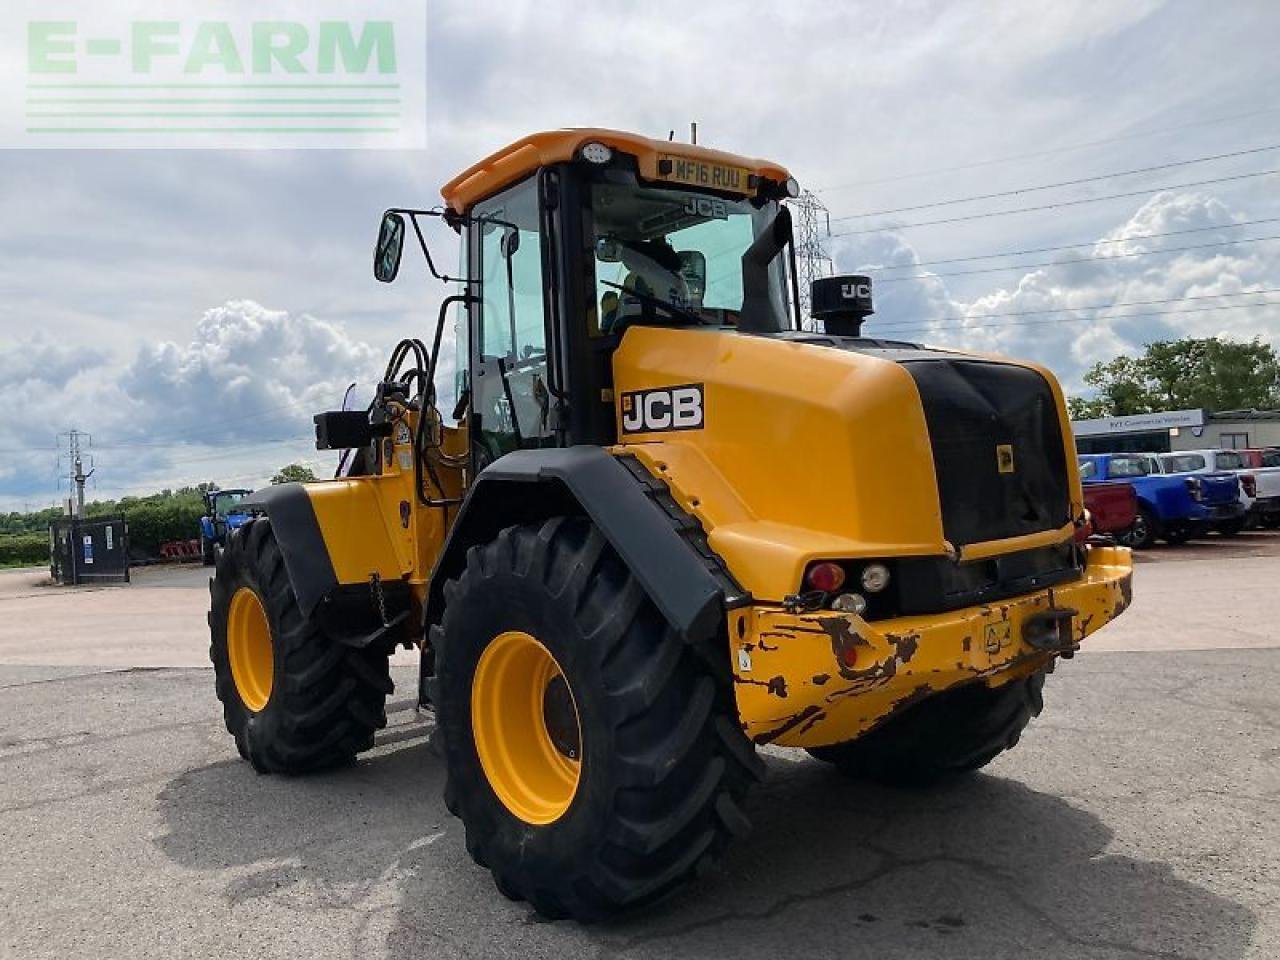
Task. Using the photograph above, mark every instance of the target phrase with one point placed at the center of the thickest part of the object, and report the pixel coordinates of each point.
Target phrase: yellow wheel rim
(249, 649)
(526, 728)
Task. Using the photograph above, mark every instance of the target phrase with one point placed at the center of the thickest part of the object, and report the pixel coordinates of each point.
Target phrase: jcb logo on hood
(669, 408)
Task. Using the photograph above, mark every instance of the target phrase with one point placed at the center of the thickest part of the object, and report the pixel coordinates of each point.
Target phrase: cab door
(512, 404)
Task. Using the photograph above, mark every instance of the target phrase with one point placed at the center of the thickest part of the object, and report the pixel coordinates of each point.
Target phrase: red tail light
(1084, 527)
(1249, 484)
(827, 577)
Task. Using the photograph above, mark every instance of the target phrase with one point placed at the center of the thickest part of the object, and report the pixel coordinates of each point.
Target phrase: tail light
(1249, 484)
(1084, 527)
(827, 577)
(1194, 488)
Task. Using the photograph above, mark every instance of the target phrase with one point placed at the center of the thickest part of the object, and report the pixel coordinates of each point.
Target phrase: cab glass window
(672, 256)
(1183, 462)
(509, 373)
(1129, 467)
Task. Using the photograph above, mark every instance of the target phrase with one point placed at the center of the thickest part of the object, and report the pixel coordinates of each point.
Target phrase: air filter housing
(842, 303)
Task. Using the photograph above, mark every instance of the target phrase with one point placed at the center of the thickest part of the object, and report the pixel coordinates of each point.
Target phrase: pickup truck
(1112, 508)
(1259, 460)
(1172, 508)
(1259, 486)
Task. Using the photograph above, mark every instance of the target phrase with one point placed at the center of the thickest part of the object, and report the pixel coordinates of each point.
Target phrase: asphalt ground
(1137, 818)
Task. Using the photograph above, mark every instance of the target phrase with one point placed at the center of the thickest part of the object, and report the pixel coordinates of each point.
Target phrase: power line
(119, 492)
(1061, 183)
(1110, 306)
(1126, 316)
(190, 441)
(1045, 153)
(221, 453)
(1093, 259)
(1051, 206)
(1086, 243)
(177, 438)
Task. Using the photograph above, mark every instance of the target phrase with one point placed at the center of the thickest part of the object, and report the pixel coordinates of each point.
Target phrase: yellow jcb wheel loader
(643, 520)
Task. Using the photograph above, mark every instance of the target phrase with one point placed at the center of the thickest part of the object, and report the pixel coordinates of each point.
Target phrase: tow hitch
(1052, 630)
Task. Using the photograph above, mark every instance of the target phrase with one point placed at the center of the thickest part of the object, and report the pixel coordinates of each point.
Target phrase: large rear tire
(593, 755)
(293, 699)
(950, 734)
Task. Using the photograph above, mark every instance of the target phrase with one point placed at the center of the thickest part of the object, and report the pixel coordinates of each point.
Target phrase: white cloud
(231, 404)
(244, 361)
(115, 254)
(36, 363)
(1186, 285)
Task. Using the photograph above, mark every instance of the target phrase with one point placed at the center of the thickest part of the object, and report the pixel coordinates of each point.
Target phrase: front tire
(593, 755)
(293, 699)
(948, 735)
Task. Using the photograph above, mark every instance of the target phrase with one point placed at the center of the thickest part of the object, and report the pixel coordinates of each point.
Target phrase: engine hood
(794, 447)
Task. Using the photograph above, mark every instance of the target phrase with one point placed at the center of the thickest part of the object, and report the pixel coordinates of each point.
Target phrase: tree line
(153, 519)
(1212, 373)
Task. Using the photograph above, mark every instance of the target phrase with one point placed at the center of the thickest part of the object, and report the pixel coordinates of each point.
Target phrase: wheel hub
(561, 718)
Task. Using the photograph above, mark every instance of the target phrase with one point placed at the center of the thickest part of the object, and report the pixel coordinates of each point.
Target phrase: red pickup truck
(1112, 508)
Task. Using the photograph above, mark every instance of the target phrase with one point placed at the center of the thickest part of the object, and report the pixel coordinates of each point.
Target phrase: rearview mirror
(510, 242)
(386, 255)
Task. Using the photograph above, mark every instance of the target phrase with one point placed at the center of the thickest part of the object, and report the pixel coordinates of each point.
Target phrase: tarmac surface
(1139, 817)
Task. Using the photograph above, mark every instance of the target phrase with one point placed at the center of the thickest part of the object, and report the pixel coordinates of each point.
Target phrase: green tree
(294, 473)
(1181, 374)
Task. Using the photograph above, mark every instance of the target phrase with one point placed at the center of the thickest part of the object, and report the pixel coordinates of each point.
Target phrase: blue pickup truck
(1172, 508)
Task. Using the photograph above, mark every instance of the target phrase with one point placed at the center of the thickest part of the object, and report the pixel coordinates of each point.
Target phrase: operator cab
(574, 237)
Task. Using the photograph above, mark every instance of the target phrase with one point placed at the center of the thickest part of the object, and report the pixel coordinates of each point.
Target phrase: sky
(191, 309)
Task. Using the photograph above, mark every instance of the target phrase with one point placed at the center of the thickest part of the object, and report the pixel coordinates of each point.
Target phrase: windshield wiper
(677, 312)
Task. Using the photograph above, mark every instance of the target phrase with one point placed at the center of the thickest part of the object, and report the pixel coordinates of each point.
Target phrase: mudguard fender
(663, 547)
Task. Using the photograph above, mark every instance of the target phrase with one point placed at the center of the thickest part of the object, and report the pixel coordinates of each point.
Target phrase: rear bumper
(812, 679)
(1218, 512)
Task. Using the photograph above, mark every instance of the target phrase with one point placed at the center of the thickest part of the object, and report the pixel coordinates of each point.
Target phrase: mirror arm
(455, 221)
(422, 242)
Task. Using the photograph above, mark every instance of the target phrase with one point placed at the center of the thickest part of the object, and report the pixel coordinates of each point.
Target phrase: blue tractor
(222, 514)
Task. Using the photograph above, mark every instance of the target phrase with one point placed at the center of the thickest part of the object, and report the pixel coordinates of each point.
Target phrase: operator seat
(646, 276)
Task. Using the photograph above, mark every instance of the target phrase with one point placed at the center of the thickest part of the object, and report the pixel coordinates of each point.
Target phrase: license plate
(700, 173)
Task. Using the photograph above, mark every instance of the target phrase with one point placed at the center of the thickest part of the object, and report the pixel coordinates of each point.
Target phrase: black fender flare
(346, 612)
(297, 531)
(663, 546)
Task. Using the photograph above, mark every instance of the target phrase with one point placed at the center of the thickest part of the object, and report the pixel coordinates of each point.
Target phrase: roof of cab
(517, 161)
